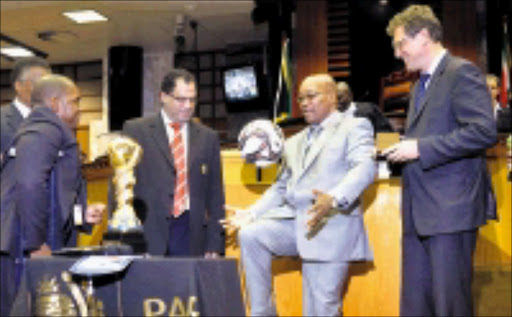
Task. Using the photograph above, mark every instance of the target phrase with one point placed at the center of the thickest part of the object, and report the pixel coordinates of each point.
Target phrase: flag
(285, 86)
(506, 64)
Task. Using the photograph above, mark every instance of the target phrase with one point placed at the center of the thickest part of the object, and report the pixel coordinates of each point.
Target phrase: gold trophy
(124, 227)
(124, 154)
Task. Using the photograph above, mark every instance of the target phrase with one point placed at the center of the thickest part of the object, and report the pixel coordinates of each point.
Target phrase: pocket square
(204, 169)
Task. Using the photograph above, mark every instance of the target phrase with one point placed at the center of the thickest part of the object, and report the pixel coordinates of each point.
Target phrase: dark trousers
(179, 235)
(437, 274)
(8, 285)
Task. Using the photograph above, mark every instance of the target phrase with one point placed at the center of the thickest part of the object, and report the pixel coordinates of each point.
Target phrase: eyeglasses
(400, 44)
(192, 100)
(309, 97)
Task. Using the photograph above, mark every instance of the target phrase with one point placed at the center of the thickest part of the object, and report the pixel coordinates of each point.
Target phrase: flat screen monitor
(243, 89)
(241, 83)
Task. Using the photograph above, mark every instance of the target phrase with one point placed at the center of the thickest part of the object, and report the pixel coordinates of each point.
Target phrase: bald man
(312, 210)
(42, 191)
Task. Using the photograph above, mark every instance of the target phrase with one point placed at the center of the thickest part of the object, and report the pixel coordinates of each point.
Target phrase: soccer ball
(261, 142)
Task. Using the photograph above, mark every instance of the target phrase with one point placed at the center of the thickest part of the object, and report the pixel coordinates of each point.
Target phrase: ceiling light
(16, 51)
(85, 16)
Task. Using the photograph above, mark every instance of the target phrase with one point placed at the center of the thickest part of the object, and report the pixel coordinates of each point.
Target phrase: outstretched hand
(320, 208)
(94, 213)
(238, 219)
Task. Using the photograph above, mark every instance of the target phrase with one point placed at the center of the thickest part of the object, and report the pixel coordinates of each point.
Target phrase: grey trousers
(322, 281)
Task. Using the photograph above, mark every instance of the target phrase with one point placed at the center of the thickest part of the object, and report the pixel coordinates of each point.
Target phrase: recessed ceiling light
(85, 16)
(16, 51)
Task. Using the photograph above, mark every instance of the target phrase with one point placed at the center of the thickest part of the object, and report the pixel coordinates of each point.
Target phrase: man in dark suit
(43, 198)
(179, 200)
(361, 109)
(447, 193)
(25, 72)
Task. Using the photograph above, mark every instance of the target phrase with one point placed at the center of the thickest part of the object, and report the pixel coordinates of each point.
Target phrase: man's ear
(163, 97)
(54, 103)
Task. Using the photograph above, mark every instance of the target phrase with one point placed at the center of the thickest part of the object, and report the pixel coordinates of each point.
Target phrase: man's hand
(240, 218)
(321, 207)
(211, 255)
(403, 151)
(94, 213)
(44, 250)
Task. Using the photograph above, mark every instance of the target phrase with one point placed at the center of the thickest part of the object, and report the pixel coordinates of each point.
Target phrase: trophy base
(133, 239)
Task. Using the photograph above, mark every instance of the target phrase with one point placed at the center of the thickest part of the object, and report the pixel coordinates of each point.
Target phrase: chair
(394, 97)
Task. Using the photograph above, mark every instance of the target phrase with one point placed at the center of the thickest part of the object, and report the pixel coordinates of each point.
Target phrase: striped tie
(181, 186)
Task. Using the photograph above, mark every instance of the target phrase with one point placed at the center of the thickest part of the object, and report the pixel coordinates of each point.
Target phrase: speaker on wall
(124, 84)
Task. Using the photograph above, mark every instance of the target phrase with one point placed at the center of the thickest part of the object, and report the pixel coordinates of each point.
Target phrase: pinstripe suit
(339, 163)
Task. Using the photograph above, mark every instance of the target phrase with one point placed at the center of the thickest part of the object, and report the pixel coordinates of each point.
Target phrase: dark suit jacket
(154, 190)
(40, 185)
(448, 188)
(10, 120)
(370, 111)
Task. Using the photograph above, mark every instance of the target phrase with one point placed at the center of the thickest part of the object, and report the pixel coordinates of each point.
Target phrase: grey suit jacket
(448, 188)
(154, 189)
(10, 120)
(339, 163)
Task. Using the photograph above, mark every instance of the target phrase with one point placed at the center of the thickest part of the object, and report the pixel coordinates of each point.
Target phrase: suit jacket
(448, 188)
(154, 190)
(10, 120)
(339, 163)
(40, 185)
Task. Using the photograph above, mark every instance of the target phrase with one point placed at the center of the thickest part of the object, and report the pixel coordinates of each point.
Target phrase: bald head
(317, 97)
(60, 94)
(345, 96)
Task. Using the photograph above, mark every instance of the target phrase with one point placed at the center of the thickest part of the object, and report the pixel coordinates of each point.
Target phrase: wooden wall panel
(310, 48)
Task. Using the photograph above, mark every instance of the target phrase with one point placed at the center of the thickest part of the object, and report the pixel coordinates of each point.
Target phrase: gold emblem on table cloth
(53, 300)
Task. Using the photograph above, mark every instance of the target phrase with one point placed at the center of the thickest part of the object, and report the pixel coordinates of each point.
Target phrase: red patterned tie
(181, 186)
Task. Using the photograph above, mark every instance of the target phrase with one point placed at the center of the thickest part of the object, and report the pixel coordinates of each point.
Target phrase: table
(154, 286)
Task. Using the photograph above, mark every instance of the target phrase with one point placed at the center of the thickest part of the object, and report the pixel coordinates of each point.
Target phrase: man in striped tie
(179, 192)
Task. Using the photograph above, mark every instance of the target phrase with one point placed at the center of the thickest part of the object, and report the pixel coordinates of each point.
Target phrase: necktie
(180, 186)
(313, 132)
(420, 93)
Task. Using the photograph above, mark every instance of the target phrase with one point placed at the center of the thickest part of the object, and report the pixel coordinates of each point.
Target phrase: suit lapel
(193, 137)
(432, 87)
(320, 142)
(13, 117)
(160, 136)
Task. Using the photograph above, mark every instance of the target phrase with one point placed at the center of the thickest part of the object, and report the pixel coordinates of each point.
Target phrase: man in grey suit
(313, 209)
(196, 230)
(447, 193)
(23, 76)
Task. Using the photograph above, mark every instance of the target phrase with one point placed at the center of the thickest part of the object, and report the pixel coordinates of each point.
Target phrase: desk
(148, 287)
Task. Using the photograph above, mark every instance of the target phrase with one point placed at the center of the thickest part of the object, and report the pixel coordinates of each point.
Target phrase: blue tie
(420, 93)
(313, 132)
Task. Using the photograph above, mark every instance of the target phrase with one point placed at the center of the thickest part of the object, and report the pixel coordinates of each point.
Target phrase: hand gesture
(238, 219)
(403, 151)
(321, 207)
(94, 213)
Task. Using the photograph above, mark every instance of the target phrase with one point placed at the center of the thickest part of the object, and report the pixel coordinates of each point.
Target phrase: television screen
(240, 84)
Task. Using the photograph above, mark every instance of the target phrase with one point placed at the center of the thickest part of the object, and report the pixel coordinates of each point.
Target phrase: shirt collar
(22, 108)
(436, 62)
(329, 119)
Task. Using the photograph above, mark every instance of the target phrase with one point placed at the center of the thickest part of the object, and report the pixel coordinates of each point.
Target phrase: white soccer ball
(261, 142)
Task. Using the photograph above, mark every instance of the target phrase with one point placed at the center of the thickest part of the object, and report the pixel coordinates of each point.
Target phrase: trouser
(437, 274)
(322, 281)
